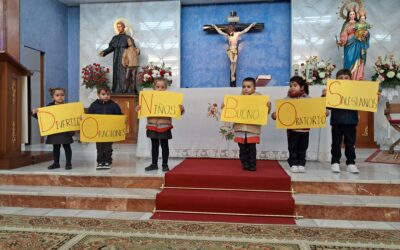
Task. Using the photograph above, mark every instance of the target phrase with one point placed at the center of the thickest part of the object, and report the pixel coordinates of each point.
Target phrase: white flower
(381, 71)
(146, 76)
(391, 67)
(398, 75)
(321, 65)
(390, 74)
(321, 75)
(155, 73)
(380, 78)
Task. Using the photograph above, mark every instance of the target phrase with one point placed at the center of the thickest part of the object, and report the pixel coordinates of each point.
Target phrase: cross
(232, 32)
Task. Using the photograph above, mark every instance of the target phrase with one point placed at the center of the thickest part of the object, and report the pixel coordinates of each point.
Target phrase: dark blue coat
(344, 117)
(99, 107)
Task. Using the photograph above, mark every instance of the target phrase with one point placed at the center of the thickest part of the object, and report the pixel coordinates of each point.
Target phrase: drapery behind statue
(118, 45)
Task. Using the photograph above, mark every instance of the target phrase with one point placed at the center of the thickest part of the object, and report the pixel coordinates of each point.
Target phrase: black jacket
(104, 108)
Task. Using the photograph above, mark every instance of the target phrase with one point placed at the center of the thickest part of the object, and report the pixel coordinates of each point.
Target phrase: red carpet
(250, 206)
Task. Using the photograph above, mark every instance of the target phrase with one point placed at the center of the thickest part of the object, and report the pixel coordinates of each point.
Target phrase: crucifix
(232, 32)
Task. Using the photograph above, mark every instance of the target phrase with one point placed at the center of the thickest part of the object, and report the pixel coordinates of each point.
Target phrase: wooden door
(128, 104)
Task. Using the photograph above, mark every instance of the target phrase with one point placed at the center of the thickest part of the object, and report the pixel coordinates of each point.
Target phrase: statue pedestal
(128, 103)
(365, 130)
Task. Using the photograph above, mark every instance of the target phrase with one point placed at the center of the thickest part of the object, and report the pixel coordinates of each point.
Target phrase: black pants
(56, 153)
(297, 145)
(104, 152)
(348, 133)
(248, 153)
(155, 145)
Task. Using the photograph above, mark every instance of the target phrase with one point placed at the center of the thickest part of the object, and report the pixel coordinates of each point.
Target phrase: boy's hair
(250, 79)
(53, 90)
(344, 72)
(300, 81)
(103, 87)
(160, 79)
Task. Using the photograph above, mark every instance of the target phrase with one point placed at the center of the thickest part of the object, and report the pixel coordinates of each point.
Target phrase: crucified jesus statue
(233, 38)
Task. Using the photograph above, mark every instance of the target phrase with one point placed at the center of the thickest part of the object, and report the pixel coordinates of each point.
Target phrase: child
(130, 61)
(104, 105)
(64, 138)
(248, 135)
(159, 131)
(297, 138)
(344, 123)
(362, 27)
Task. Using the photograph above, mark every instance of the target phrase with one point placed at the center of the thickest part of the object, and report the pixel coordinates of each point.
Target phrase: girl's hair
(343, 72)
(300, 81)
(160, 79)
(53, 90)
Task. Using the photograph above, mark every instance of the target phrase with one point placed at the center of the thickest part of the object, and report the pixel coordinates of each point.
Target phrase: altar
(197, 135)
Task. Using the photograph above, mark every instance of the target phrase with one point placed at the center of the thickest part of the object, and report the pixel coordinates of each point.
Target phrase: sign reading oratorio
(247, 109)
(103, 128)
(301, 113)
(160, 104)
(60, 118)
(354, 95)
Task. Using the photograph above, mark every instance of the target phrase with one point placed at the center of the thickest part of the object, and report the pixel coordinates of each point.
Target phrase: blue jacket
(100, 107)
(344, 117)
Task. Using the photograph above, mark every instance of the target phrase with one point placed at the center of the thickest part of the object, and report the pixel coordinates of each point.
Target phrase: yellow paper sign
(160, 104)
(59, 118)
(301, 113)
(247, 109)
(354, 95)
(103, 128)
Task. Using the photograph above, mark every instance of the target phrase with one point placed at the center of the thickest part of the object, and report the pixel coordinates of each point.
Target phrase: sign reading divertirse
(160, 104)
(59, 118)
(103, 128)
(354, 95)
(247, 109)
(301, 113)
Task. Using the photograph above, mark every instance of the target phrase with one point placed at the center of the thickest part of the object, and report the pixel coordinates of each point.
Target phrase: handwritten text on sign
(301, 113)
(247, 109)
(59, 118)
(160, 104)
(354, 95)
(103, 128)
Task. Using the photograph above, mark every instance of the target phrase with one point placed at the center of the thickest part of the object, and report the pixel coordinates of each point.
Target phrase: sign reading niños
(354, 95)
(160, 104)
(103, 128)
(301, 113)
(60, 118)
(247, 109)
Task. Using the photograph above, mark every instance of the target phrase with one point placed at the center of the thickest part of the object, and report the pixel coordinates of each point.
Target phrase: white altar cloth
(196, 135)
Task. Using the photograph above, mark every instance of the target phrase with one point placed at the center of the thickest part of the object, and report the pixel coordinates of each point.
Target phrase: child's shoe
(335, 168)
(352, 169)
(294, 169)
(245, 166)
(68, 166)
(301, 169)
(106, 165)
(151, 167)
(54, 166)
(165, 167)
(252, 167)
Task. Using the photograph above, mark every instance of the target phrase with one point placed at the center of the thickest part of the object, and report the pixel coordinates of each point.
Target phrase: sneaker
(294, 169)
(151, 167)
(335, 168)
(101, 166)
(245, 166)
(68, 166)
(302, 169)
(352, 169)
(54, 166)
(165, 168)
(252, 167)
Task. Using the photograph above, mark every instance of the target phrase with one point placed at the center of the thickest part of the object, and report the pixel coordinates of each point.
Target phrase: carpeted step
(228, 174)
(225, 202)
(222, 218)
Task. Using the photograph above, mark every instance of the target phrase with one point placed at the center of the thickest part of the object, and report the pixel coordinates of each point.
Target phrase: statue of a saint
(233, 38)
(118, 45)
(130, 61)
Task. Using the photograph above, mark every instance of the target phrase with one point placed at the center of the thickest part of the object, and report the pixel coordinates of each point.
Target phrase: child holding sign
(297, 138)
(104, 106)
(344, 124)
(159, 131)
(65, 138)
(248, 135)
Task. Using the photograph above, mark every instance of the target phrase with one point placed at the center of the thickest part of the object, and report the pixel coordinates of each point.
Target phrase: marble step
(88, 198)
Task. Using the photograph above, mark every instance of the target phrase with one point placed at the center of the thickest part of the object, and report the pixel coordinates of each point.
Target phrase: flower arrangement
(226, 130)
(94, 75)
(151, 71)
(387, 71)
(314, 71)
